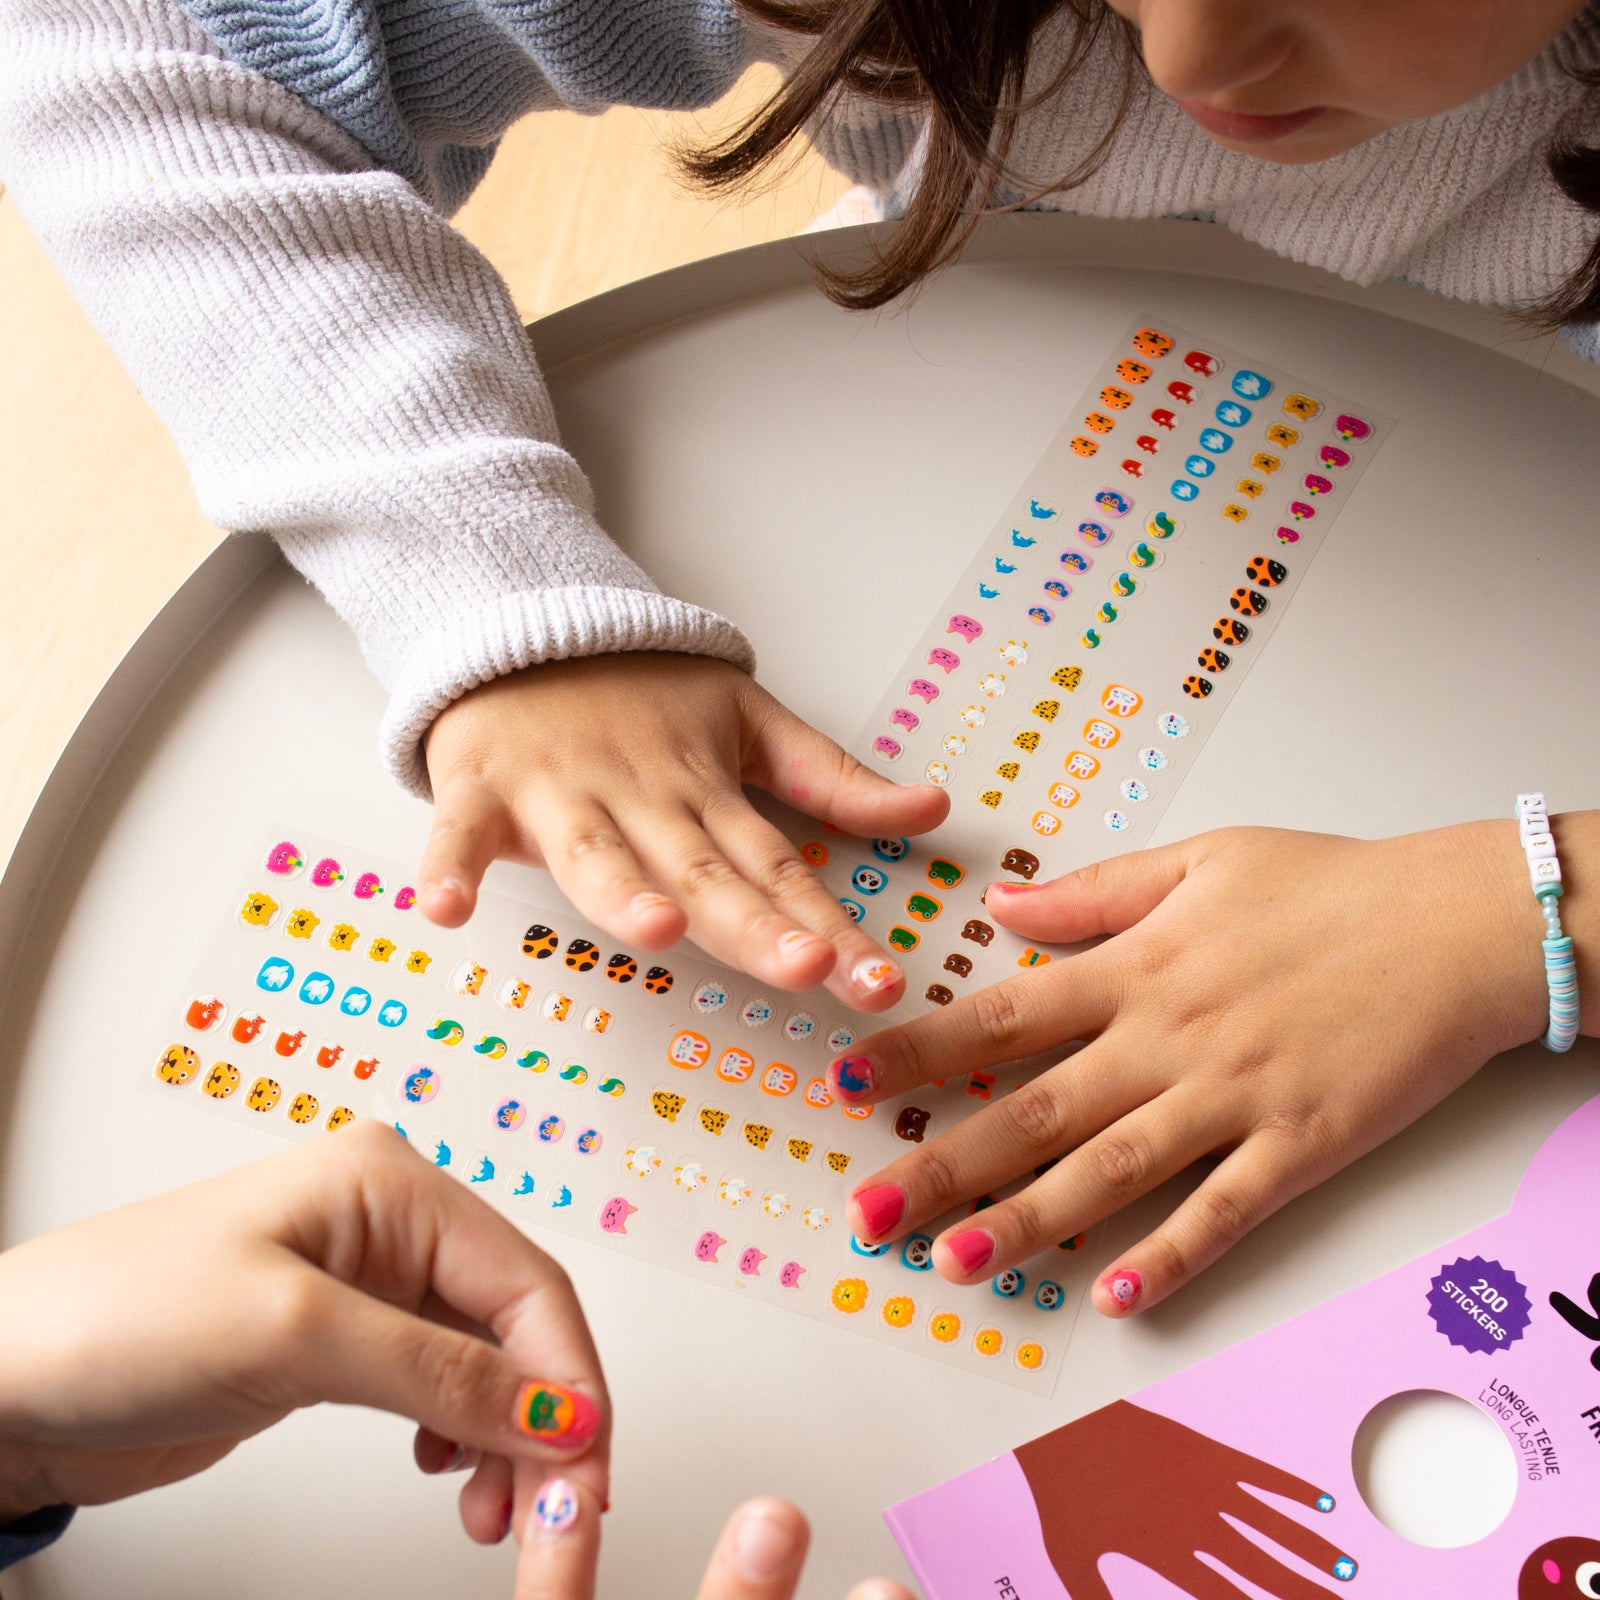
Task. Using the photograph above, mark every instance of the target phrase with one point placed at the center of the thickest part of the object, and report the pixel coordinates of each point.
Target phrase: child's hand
(1289, 999)
(759, 1556)
(142, 1346)
(622, 774)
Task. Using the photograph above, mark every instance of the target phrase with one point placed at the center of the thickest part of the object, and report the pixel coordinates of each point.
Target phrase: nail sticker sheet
(1248, 1455)
(1062, 691)
(665, 1107)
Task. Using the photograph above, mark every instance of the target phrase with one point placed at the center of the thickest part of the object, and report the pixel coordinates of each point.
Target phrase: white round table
(821, 477)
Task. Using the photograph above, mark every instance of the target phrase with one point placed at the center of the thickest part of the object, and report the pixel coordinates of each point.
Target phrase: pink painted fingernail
(1125, 1287)
(972, 1248)
(875, 974)
(854, 1075)
(1015, 888)
(881, 1207)
(557, 1416)
(555, 1509)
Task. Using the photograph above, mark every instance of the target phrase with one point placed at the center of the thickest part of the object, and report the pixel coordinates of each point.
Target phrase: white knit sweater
(345, 371)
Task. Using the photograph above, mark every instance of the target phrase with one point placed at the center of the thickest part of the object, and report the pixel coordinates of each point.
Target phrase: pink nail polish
(854, 1075)
(875, 974)
(1016, 888)
(881, 1207)
(1125, 1287)
(972, 1248)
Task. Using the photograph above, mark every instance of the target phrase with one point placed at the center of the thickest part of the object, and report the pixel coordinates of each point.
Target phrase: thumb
(792, 760)
(1107, 897)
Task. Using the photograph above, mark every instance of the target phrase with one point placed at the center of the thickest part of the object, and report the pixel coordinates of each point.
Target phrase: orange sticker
(778, 1079)
(818, 1094)
(735, 1066)
(1120, 700)
(1100, 734)
(1046, 823)
(689, 1049)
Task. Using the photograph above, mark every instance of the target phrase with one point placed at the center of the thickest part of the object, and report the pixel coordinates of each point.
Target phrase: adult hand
(624, 775)
(1290, 999)
(143, 1345)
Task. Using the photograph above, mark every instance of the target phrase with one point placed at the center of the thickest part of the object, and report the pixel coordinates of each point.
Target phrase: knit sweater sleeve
(339, 367)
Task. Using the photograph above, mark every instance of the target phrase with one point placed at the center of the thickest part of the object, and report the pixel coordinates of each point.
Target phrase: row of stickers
(1064, 689)
(670, 1110)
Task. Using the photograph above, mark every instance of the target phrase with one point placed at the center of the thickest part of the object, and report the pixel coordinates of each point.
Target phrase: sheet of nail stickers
(669, 1109)
(1062, 691)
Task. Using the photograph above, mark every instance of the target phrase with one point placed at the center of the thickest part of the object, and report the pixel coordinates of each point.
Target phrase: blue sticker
(1251, 385)
(442, 1154)
(868, 880)
(318, 989)
(1231, 414)
(1009, 1284)
(890, 849)
(356, 1002)
(1216, 441)
(1004, 568)
(853, 909)
(391, 1014)
(986, 593)
(275, 975)
(1049, 1295)
(561, 1199)
(917, 1253)
(484, 1172)
(524, 1185)
(1199, 466)
(867, 1249)
(1037, 508)
(1022, 540)
(1182, 489)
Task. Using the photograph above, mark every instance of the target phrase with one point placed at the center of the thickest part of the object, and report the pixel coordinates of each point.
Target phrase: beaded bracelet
(1544, 873)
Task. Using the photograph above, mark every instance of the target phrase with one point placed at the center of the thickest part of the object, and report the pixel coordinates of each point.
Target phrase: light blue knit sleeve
(428, 86)
(1584, 337)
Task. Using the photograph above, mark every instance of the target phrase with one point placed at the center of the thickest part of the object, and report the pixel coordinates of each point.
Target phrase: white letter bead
(1529, 803)
(1539, 846)
(1547, 870)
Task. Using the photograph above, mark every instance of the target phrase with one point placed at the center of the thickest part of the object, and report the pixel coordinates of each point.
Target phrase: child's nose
(1203, 49)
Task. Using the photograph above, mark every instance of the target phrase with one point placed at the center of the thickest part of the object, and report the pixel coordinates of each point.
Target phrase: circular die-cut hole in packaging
(1434, 1468)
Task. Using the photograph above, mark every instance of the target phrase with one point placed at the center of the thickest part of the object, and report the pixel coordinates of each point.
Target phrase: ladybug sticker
(1247, 602)
(1196, 687)
(1214, 660)
(540, 942)
(622, 969)
(657, 981)
(1265, 571)
(582, 955)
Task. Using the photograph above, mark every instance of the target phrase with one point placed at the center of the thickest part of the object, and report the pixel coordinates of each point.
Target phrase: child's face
(1301, 80)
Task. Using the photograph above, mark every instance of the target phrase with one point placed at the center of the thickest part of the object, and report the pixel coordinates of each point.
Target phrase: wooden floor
(100, 525)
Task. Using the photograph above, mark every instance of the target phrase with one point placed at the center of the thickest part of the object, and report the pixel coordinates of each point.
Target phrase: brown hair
(967, 62)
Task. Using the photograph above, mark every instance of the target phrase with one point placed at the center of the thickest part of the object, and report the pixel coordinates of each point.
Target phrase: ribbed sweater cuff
(520, 630)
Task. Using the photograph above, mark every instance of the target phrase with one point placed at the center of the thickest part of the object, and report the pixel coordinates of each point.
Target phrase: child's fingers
(599, 871)
(729, 917)
(1244, 1190)
(759, 1555)
(788, 757)
(558, 1528)
(1038, 1010)
(468, 832)
(486, 1500)
(863, 975)
(1107, 897)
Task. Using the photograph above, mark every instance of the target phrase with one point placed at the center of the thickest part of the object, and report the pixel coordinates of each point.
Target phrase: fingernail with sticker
(555, 1509)
(1125, 1287)
(557, 1416)
(875, 974)
(881, 1206)
(972, 1248)
(854, 1075)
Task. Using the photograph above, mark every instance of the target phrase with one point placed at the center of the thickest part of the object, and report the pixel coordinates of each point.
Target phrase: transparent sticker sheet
(673, 1110)
(667, 1108)
(1064, 689)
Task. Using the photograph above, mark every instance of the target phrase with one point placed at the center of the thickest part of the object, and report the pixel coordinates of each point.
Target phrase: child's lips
(1240, 127)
